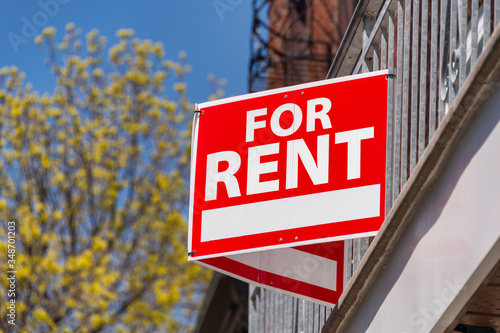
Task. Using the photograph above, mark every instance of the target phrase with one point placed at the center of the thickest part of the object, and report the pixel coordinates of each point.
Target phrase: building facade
(295, 41)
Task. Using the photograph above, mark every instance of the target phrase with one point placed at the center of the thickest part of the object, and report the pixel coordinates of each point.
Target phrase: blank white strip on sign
(290, 213)
(293, 264)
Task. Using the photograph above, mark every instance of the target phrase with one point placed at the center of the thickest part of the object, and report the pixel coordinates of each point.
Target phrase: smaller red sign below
(312, 272)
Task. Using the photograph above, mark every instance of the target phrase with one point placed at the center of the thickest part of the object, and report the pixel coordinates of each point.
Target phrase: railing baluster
(347, 261)
(423, 79)
(288, 314)
(308, 326)
(388, 43)
(414, 84)
(356, 253)
(443, 59)
(453, 70)
(433, 88)
(486, 21)
(322, 317)
(406, 92)
(462, 32)
(474, 27)
(399, 98)
(262, 310)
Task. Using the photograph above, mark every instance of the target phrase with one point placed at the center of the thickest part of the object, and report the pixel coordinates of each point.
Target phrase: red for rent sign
(279, 178)
(291, 166)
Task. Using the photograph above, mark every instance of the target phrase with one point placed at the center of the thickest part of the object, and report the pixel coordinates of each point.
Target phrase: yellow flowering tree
(94, 176)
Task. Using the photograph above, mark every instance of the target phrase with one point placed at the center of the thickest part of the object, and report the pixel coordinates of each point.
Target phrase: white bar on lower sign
(293, 264)
(290, 213)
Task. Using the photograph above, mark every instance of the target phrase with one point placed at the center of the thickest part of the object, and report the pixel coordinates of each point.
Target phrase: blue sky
(214, 33)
